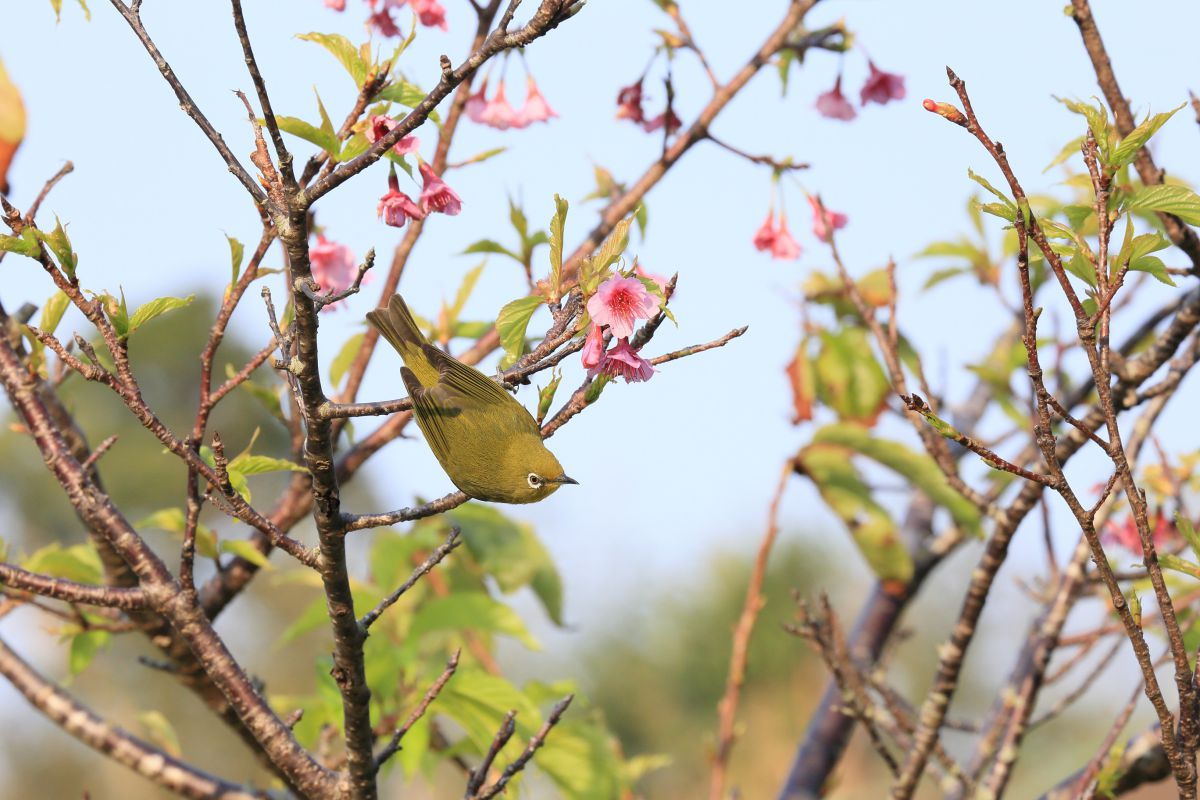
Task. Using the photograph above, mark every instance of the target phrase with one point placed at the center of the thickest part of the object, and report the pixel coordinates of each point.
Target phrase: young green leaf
(246, 550)
(464, 290)
(155, 308)
(84, 647)
(558, 225)
(60, 245)
(256, 465)
(52, 312)
(470, 611)
(406, 93)
(511, 325)
(327, 141)
(1128, 149)
(1169, 199)
(345, 52)
(160, 732)
(344, 358)
(236, 251)
(546, 396)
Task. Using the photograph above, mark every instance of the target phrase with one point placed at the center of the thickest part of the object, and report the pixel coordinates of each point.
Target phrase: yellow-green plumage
(487, 442)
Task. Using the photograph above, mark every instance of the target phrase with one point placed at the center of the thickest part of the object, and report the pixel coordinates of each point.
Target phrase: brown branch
(518, 764)
(435, 558)
(727, 707)
(133, 17)
(146, 760)
(126, 598)
(549, 14)
(431, 694)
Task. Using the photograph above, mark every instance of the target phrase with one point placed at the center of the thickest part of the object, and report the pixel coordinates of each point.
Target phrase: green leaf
(491, 246)
(84, 647)
(849, 378)
(511, 325)
(344, 358)
(245, 549)
(160, 732)
(57, 6)
(1178, 564)
(558, 225)
(612, 248)
(1188, 531)
(1079, 266)
(1169, 199)
(1069, 149)
(464, 290)
(917, 469)
(581, 758)
(60, 245)
(172, 520)
(406, 93)
(478, 702)
(847, 495)
(79, 562)
(1097, 119)
(1003, 198)
(52, 312)
(256, 465)
(520, 222)
(315, 615)
(546, 395)
(24, 245)
(345, 52)
(511, 553)
(470, 611)
(156, 308)
(236, 251)
(326, 140)
(1128, 149)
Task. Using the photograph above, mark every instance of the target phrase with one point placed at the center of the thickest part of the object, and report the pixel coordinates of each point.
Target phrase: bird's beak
(566, 479)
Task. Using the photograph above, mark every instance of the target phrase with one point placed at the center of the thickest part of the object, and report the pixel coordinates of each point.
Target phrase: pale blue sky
(682, 467)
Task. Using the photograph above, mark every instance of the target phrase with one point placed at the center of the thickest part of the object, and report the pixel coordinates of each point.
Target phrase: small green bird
(489, 445)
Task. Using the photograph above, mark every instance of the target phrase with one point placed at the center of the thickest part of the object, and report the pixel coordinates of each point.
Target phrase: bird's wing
(431, 412)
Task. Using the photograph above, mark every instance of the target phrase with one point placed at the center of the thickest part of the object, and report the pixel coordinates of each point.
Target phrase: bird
(487, 442)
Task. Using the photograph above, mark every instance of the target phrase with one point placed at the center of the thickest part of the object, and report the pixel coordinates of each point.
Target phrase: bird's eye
(534, 480)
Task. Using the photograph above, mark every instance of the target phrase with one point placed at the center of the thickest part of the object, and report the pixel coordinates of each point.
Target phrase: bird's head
(533, 473)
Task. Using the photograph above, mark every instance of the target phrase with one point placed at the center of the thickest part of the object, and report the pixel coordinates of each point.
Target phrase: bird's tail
(397, 325)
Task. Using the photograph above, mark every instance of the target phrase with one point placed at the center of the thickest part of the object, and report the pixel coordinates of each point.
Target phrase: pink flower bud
(593, 348)
(946, 110)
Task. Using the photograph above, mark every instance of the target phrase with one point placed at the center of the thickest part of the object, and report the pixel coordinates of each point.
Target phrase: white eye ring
(534, 479)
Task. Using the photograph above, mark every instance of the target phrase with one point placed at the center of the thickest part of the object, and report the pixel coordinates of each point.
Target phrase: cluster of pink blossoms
(397, 208)
(629, 106)
(616, 306)
(333, 266)
(881, 87)
(778, 240)
(1125, 534)
(431, 13)
(498, 113)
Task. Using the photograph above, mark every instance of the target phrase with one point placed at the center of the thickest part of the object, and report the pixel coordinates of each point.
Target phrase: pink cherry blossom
(623, 361)
(381, 20)
(619, 302)
(336, 5)
(477, 103)
(1125, 534)
(629, 103)
(824, 224)
(593, 348)
(667, 118)
(381, 125)
(660, 280)
(431, 13)
(764, 237)
(784, 247)
(881, 86)
(395, 207)
(834, 105)
(536, 109)
(498, 113)
(436, 195)
(333, 266)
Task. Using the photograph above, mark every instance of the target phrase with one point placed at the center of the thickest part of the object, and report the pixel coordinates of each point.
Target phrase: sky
(678, 471)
